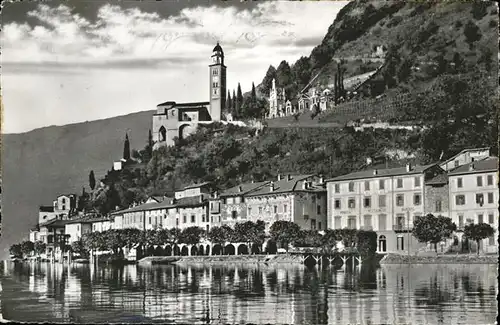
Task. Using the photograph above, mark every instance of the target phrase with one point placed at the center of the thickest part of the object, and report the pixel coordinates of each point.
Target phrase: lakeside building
(63, 207)
(464, 157)
(473, 198)
(296, 198)
(386, 201)
(178, 120)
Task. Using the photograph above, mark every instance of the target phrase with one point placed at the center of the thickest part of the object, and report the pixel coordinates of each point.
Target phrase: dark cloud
(17, 12)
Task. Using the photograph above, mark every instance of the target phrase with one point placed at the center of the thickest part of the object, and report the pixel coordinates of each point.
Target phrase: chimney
(271, 186)
(201, 198)
(304, 185)
(279, 177)
(471, 166)
(240, 189)
(288, 177)
(369, 161)
(321, 179)
(375, 172)
(408, 167)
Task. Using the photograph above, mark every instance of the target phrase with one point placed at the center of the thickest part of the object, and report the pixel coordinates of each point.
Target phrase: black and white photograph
(249, 162)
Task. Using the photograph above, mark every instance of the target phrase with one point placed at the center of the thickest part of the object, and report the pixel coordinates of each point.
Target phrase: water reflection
(436, 294)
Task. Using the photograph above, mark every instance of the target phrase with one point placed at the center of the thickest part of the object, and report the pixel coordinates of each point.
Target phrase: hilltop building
(178, 120)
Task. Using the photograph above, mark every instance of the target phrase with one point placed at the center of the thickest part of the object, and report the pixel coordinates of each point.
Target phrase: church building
(173, 119)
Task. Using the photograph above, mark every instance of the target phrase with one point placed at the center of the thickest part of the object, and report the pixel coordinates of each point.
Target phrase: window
(176, 221)
(337, 188)
(490, 218)
(400, 243)
(351, 203)
(439, 206)
(275, 209)
(382, 222)
(490, 179)
(400, 200)
(490, 197)
(367, 202)
(234, 214)
(338, 222)
(417, 199)
(351, 186)
(260, 210)
(202, 218)
(177, 210)
(381, 184)
(469, 221)
(63, 201)
(285, 208)
(351, 222)
(491, 240)
(337, 204)
(184, 219)
(318, 209)
(417, 181)
(313, 224)
(459, 182)
(480, 199)
(319, 225)
(367, 185)
(249, 210)
(149, 220)
(479, 218)
(399, 183)
(64, 207)
(479, 181)
(460, 199)
(460, 221)
(215, 91)
(78, 227)
(368, 222)
(381, 201)
(456, 163)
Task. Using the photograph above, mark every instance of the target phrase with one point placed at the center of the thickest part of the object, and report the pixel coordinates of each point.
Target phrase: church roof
(174, 104)
(218, 48)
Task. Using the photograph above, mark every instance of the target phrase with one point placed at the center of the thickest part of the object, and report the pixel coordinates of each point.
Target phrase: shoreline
(439, 259)
(223, 260)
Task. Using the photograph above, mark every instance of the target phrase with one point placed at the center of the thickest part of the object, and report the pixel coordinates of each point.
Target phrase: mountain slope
(45, 162)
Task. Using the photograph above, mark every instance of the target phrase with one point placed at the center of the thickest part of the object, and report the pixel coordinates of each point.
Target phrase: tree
(92, 180)
(330, 239)
(217, 235)
(27, 247)
(228, 101)
(285, 232)
(239, 100)
(309, 238)
(126, 148)
(78, 248)
(236, 107)
(478, 232)
(191, 235)
(16, 250)
(267, 82)
(431, 229)
(250, 232)
(472, 33)
(283, 74)
(39, 247)
(149, 147)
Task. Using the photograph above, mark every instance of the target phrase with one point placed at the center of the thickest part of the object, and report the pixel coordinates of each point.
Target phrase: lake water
(391, 294)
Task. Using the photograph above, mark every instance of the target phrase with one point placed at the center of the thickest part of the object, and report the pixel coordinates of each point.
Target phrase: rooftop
(440, 179)
(489, 164)
(196, 185)
(386, 172)
(464, 151)
(286, 186)
(174, 104)
(245, 188)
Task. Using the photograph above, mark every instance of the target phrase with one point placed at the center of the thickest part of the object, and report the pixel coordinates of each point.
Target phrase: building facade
(386, 201)
(178, 120)
(464, 157)
(296, 198)
(473, 198)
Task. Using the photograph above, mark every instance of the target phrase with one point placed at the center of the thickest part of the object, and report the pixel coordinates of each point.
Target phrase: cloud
(117, 33)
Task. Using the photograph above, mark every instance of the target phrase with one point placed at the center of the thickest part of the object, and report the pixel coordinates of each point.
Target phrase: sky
(73, 61)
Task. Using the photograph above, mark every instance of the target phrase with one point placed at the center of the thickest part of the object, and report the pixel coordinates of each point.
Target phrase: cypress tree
(239, 95)
(126, 149)
(150, 144)
(235, 107)
(228, 101)
(92, 180)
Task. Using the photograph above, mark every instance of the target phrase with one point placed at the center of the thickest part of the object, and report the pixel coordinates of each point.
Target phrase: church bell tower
(217, 81)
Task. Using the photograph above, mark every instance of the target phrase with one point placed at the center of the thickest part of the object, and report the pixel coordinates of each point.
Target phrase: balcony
(402, 227)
